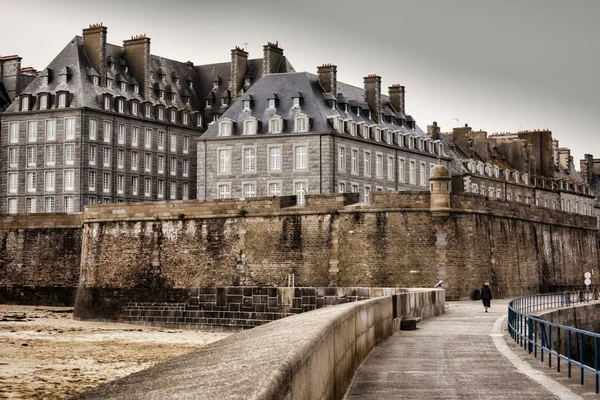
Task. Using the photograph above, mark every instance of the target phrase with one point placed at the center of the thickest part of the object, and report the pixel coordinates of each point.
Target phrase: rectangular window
(161, 113)
(147, 162)
(120, 106)
(49, 204)
(401, 170)
(106, 157)
(69, 204)
(92, 154)
(224, 191)
(120, 184)
(423, 174)
(342, 187)
(30, 205)
(250, 159)
(50, 130)
(354, 161)
(134, 185)
(186, 167)
(13, 182)
(173, 168)
(50, 156)
(92, 181)
(249, 190)
(173, 191)
(148, 111)
(25, 104)
(412, 172)
(31, 182)
(69, 154)
(106, 182)
(275, 159)
(148, 141)
(32, 131)
(106, 98)
(134, 160)
(173, 143)
(186, 191)
(300, 190)
(12, 206)
(121, 158)
(161, 140)
(135, 131)
(300, 157)
(69, 128)
(275, 189)
(14, 132)
(341, 158)
(186, 118)
(134, 108)
(367, 194)
(186, 144)
(43, 100)
(49, 180)
(354, 188)
(367, 170)
(13, 157)
(379, 165)
(160, 188)
(121, 134)
(93, 129)
(224, 161)
(107, 131)
(160, 164)
(31, 156)
(92, 200)
(69, 180)
(390, 168)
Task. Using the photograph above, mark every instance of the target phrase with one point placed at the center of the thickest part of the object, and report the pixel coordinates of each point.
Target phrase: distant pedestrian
(486, 296)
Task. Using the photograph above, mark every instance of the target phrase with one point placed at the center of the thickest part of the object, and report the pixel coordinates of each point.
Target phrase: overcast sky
(498, 65)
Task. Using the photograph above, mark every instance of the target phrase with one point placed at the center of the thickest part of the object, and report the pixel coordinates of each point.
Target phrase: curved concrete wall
(306, 356)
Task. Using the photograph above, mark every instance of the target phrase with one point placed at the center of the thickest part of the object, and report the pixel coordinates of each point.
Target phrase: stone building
(590, 172)
(104, 123)
(526, 167)
(300, 133)
(13, 79)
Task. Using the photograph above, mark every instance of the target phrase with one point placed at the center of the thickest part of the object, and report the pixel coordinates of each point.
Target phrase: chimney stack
(328, 78)
(137, 56)
(433, 131)
(94, 44)
(373, 95)
(272, 58)
(239, 67)
(396, 93)
(586, 167)
(10, 75)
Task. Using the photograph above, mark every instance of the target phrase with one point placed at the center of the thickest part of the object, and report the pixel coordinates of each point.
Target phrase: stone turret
(440, 187)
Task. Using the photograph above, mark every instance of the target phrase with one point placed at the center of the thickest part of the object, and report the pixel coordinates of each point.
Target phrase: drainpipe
(205, 145)
(335, 156)
(81, 160)
(320, 164)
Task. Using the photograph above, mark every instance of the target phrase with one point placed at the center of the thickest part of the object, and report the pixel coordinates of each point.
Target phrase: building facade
(300, 133)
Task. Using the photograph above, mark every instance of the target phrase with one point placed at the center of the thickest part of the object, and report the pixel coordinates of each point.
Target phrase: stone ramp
(451, 356)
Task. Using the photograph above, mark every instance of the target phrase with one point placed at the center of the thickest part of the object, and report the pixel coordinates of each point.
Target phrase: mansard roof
(314, 104)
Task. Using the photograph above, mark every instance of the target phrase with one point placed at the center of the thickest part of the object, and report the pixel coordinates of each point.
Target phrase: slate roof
(4, 99)
(314, 104)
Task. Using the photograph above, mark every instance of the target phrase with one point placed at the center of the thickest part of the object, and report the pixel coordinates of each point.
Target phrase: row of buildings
(104, 123)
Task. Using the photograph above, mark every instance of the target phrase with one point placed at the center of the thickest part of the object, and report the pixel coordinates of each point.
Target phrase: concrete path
(459, 355)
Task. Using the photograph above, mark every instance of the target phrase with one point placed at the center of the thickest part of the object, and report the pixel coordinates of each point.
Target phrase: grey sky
(499, 65)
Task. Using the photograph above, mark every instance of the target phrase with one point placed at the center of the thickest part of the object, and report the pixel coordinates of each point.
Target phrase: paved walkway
(459, 355)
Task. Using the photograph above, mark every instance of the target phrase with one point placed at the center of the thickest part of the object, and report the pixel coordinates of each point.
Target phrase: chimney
(396, 93)
(10, 75)
(272, 58)
(328, 78)
(137, 56)
(564, 158)
(586, 167)
(373, 95)
(94, 44)
(433, 131)
(239, 67)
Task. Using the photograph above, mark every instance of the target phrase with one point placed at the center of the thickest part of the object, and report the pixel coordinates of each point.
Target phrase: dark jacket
(486, 293)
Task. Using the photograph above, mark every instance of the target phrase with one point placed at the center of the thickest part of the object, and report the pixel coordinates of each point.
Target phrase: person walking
(486, 296)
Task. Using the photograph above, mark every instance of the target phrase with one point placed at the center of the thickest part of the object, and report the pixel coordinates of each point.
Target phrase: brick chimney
(137, 56)
(272, 58)
(433, 131)
(10, 75)
(373, 95)
(239, 67)
(586, 168)
(94, 44)
(328, 78)
(396, 93)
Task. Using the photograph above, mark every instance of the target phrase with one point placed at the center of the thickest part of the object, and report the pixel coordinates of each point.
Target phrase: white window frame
(13, 205)
(185, 166)
(120, 158)
(224, 190)
(390, 168)
(275, 160)
(249, 159)
(275, 124)
(160, 188)
(92, 180)
(379, 165)
(49, 205)
(185, 144)
(31, 156)
(300, 192)
(135, 136)
(226, 127)
(135, 182)
(423, 173)
(12, 183)
(70, 128)
(50, 130)
(301, 124)
(32, 131)
(249, 189)
(92, 154)
(50, 156)
(69, 180)
(107, 132)
(31, 182)
(13, 157)
(69, 153)
(106, 182)
(135, 160)
(250, 126)
(148, 139)
(223, 160)
(342, 158)
(49, 181)
(401, 169)
(275, 188)
(301, 161)
(121, 134)
(30, 205)
(354, 161)
(412, 172)
(367, 161)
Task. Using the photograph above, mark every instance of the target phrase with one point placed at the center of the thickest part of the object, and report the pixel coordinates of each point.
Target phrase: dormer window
(126, 69)
(186, 118)
(271, 103)
(215, 85)
(352, 128)
(224, 101)
(63, 78)
(358, 111)
(389, 137)
(346, 108)
(246, 105)
(225, 128)
(134, 108)
(62, 100)
(95, 80)
(176, 80)
(107, 103)
(161, 94)
(186, 99)
(275, 125)
(123, 86)
(526, 179)
(109, 83)
(208, 103)
(301, 124)
(173, 116)
(191, 84)
(43, 101)
(296, 101)
(163, 77)
(250, 126)
(111, 65)
(148, 111)
(199, 121)
(246, 82)
(161, 113)
(366, 131)
(136, 89)
(173, 97)
(377, 134)
(121, 106)
(25, 103)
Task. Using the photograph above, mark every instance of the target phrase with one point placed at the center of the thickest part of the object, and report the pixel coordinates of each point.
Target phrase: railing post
(529, 333)
(549, 346)
(569, 353)
(581, 355)
(596, 364)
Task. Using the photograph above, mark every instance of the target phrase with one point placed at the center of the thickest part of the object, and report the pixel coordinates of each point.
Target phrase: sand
(46, 354)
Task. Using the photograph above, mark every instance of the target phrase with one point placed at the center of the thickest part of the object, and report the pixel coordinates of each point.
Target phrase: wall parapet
(311, 355)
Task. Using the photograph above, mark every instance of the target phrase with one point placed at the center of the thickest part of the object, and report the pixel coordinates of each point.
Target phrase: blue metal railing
(577, 347)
